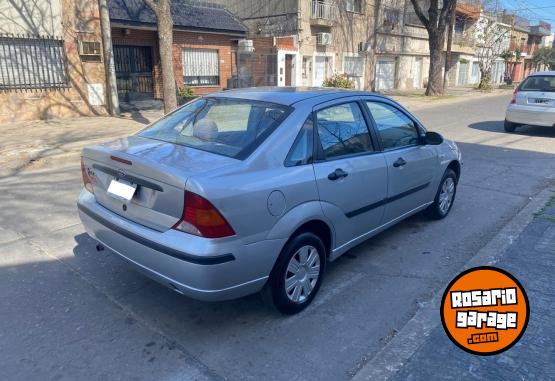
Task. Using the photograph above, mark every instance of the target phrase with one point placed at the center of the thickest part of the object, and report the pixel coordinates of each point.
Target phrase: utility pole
(109, 66)
(449, 44)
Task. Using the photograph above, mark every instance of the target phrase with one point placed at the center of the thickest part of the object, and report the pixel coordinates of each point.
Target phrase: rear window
(229, 127)
(539, 83)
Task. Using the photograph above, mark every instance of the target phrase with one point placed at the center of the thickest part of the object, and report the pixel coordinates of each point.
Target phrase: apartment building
(401, 47)
(304, 42)
(51, 64)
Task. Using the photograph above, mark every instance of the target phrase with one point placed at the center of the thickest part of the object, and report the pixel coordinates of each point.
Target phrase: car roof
(288, 95)
(542, 73)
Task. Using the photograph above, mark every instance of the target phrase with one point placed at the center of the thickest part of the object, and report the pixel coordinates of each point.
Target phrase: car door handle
(399, 162)
(337, 174)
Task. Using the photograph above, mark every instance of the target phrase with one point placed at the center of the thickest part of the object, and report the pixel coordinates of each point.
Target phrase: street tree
(544, 58)
(164, 21)
(492, 40)
(435, 20)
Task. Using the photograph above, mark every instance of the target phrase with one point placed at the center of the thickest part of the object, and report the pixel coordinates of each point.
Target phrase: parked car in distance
(260, 188)
(533, 102)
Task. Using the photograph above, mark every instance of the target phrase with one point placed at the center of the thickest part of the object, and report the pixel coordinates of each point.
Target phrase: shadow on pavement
(497, 126)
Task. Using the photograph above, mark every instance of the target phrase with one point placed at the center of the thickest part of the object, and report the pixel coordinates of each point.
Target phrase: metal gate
(133, 72)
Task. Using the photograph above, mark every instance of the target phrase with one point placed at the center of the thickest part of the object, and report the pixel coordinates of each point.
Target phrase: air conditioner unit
(323, 38)
(90, 50)
(245, 46)
(364, 47)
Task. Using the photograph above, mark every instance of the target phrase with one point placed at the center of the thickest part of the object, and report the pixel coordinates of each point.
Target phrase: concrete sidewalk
(526, 249)
(415, 99)
(42, 143)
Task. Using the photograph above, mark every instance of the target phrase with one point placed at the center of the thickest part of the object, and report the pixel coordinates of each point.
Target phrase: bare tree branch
(420, 13)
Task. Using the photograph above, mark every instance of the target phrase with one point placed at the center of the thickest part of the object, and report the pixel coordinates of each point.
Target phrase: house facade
(205, 40)
(525, 42)
(304, 42)
(51, 64)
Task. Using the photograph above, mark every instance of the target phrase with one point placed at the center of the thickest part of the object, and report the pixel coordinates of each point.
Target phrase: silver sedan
(258, 189)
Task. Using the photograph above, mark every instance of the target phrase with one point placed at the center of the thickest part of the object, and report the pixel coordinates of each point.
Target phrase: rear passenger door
(411, 165)
(350, 172)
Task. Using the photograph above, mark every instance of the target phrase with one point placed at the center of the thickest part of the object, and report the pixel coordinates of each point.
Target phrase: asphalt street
(69, 312)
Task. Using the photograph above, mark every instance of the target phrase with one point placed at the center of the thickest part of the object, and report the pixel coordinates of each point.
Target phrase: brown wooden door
(288, 69)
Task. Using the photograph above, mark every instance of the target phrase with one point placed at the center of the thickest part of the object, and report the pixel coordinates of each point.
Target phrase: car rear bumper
(532, 115)
(204, 269)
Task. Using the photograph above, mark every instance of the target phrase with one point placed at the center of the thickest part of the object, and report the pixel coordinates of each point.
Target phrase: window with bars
(30, 63)
(201, 67)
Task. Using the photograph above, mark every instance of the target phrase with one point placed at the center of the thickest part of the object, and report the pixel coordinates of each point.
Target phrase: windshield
(539, 83)
(230, 127)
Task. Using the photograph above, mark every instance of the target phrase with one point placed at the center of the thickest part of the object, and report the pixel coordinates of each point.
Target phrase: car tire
(510, 126)
(445, 196)
(291, 291)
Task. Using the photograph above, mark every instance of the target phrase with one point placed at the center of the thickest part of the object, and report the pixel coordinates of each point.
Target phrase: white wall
(33, 17)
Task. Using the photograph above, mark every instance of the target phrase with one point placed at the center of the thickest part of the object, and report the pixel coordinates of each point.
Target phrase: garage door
(463, 73)
(385, 74)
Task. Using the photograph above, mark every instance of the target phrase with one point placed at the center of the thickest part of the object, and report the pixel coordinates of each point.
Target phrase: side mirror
(433, 138)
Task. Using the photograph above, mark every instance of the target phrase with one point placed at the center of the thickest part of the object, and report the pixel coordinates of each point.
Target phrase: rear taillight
(87, 181)
(201, 218)
(513, 100)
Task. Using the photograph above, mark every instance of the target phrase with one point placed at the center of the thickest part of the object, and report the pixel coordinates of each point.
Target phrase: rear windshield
(539, 83)
(230, 127)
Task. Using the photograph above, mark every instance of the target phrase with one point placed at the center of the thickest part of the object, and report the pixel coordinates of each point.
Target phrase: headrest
(205, 129)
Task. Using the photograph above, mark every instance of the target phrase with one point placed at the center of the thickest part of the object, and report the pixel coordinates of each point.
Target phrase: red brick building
(204, 47)
(51, 63)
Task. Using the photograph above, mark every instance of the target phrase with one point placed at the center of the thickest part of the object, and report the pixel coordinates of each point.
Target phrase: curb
(413, 104)
(390, 359)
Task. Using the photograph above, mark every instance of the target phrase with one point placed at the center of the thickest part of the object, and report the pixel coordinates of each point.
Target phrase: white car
(533, 102)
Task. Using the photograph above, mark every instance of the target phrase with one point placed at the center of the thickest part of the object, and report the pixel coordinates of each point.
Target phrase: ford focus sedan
(533, 102)
(258, 189)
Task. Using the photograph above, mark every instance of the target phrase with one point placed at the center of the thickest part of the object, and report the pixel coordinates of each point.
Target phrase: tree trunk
(435, 79)
(485, 80)
(165, 42)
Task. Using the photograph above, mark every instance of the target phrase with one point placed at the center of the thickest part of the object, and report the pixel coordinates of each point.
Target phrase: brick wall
(224, 44)
(70, 102)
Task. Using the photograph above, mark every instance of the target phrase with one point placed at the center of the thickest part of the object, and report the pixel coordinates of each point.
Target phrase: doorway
(321, 64)
(133, 66)
(385, 74)
(288, 69)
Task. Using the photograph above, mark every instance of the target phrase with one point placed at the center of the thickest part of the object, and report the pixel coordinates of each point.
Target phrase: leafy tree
(544, 57)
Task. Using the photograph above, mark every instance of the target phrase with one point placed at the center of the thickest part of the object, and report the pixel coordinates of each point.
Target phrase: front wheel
(510, 126)
(445, 196)
(298, 273)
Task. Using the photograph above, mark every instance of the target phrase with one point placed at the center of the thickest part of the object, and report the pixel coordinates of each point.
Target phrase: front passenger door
(351, 173)
(411, 166)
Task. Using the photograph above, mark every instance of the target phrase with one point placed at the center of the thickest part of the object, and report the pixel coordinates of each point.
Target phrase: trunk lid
(158, 169)
(540, 99)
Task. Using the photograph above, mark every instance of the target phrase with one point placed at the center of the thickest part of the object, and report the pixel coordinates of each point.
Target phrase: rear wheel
(510, 126)
(445, 196)
(298, 273)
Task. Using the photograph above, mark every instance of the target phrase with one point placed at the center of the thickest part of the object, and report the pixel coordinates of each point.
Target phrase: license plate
(541, 101)
(122, 190)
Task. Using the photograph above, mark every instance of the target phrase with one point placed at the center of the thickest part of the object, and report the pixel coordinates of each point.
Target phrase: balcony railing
(324, 10)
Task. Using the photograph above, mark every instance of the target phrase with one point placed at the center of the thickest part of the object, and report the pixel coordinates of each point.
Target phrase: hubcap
(302, 273)
(446, 195)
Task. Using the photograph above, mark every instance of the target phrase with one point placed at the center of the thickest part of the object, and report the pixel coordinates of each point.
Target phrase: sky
(534, 10)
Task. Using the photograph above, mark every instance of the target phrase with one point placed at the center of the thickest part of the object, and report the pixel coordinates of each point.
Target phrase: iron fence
(30, 62)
